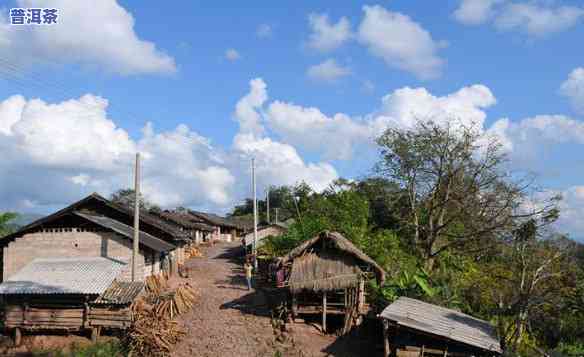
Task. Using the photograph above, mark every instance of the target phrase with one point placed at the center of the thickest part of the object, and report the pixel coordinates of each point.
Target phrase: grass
(103, 349)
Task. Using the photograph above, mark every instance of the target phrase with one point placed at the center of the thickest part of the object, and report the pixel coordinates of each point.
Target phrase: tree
(5, 227)
(526, 283)
(126, 197)
(457, 192)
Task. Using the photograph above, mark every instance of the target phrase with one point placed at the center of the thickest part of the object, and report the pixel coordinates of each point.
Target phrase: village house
(416, 328)
(225, 229)
(326, 275)
(92, 227)
(269, 230)
(197, 231)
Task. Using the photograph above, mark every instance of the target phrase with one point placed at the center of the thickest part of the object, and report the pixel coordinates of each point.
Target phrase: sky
(198, 88)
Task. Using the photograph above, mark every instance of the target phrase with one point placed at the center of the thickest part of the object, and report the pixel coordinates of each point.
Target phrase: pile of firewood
(193, 252)
(152, 334)
(177, 302)
(156, 284)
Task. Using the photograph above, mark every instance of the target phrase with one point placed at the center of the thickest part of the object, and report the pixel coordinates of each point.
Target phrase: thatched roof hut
(329, 261)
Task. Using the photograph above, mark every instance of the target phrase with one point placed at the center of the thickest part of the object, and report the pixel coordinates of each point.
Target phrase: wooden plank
(324, 310)
(32, 315)
(109, 323)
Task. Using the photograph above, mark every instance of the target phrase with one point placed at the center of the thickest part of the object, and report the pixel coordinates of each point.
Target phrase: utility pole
(136, 241)
(268, 204)
(276, 214)
(255, 213)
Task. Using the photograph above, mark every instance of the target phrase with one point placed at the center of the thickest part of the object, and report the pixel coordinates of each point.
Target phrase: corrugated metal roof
(86, 276)
(443, 322)
(146, 239)
(121, 293)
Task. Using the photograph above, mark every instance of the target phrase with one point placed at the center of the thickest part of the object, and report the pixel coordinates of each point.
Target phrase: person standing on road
(247, 267)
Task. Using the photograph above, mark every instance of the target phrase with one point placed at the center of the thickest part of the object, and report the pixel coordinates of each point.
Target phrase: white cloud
(532, 18)
(475, 12)
(246, 110)
(103, 37)
(327, 71)
(231, 54)
(401, 42)
(573, 88)
(264, 31)
(327, 36)
(306, 127)
(529, 140)
(537, 20)
(73, 148)
(277, 162)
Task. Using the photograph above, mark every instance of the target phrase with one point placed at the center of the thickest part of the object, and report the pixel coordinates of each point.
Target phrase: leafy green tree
(126, 197)
(5, 219)
(458, 193)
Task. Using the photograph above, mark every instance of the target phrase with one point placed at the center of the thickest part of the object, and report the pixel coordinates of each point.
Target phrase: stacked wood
(152, 334)
(193, 252)
(177, 302)
(156, 284)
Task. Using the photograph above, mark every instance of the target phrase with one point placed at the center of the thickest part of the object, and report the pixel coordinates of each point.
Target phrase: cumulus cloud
(532, 18)
(73, 148)
(402, 108)
(327, 36)
(232, 55)
(328, 71)
(103, 37)
(401, 42)
(475, 12)
(277, 162)
(573, 88)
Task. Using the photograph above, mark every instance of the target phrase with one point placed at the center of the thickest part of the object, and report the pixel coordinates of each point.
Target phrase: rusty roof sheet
(440, 321)
(121, 293)
(79, 276)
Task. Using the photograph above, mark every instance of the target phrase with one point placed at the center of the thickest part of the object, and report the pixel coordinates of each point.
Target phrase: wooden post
(294, 306)
(136, 246)
(17, 336)
(386, 350)
(95, 332)
(324, 312)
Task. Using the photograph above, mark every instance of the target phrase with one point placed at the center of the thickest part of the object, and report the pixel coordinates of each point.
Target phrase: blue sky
(175, 82)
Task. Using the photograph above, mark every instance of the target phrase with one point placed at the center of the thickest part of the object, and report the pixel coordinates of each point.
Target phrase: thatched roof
(328, 270)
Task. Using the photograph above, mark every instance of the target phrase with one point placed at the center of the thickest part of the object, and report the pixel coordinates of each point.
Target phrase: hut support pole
(294, 306)
(324, 312)
(386, 350)
(17, 337)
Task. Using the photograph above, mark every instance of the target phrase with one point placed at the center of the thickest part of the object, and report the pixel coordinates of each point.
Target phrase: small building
(224, 228)
(71, 294)
(326, 275)
(416, 328)
(273, 230)
(197, 231)
(92, 227)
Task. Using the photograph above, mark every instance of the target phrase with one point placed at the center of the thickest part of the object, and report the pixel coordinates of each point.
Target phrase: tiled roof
(83, 276)
(185, 220)
(443, 322)
(146, 239)
(214, 219)
(121, 293)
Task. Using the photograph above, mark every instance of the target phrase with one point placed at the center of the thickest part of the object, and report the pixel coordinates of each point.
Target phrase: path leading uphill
(228, 320)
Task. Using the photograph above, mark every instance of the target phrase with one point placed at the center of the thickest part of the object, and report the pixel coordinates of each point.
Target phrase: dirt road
(228, 320)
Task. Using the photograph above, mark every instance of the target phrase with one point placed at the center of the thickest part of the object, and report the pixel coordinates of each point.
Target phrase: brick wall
(73, 242)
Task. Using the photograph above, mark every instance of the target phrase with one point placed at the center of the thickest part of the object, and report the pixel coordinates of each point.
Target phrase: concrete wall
(76, 242)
